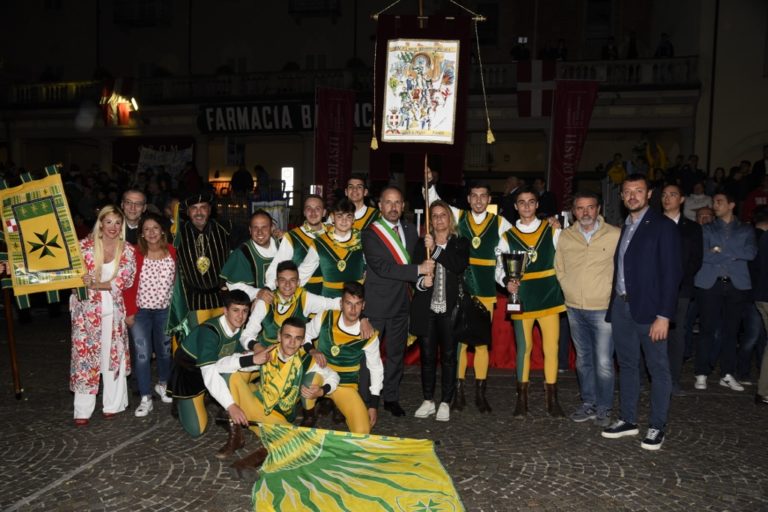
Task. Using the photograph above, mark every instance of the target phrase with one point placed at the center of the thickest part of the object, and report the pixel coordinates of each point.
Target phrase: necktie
(396, 228)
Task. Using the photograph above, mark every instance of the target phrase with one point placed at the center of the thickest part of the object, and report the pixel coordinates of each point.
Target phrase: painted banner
(315, 469)
(420, 91)
(334, 137)
(171, 160)
(535, 86)
(43, 250)
(574, 100)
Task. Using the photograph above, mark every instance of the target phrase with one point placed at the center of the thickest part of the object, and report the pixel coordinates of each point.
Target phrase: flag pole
(426, 199)
(12, 343)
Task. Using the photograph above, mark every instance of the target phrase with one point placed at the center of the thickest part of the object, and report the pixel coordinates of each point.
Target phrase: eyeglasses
(138, 204)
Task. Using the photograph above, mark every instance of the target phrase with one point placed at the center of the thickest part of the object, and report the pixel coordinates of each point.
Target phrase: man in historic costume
(202, 246)
(196, 370)
(287, 376)
(338, 336)
(387, 245)
(338, 253)
(484, 230)
(356, 192)
(296, 243)
(540, 295)
(248, 263)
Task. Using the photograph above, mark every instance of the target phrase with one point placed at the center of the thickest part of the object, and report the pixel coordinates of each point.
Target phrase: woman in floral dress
(99, 333)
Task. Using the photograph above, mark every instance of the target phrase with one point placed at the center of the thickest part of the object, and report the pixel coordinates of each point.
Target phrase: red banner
(333, 139)
(572, 111)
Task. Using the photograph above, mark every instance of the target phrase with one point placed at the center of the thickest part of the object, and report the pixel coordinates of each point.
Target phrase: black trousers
(720, 305)
(440, 338)
(393, 333)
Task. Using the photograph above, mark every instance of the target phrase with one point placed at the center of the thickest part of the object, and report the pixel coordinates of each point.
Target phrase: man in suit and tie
(646, 278)
(692, 249)
(388, 244)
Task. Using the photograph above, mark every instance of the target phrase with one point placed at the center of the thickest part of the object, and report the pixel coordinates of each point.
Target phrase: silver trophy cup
(514, 264)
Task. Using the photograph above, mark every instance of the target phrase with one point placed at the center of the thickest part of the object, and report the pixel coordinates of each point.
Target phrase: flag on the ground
(324, 470)
(43, 250)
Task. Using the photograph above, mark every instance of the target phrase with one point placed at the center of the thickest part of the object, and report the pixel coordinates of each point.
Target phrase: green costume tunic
(484, 237)
(339, 262)
(206, 344)
(272, 321)
(343, 351)
(279, 387)
(301, 243)
(371, 214)
(540, 292)
(246, 265)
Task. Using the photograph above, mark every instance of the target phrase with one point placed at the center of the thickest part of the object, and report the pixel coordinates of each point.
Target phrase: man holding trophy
(527, 270)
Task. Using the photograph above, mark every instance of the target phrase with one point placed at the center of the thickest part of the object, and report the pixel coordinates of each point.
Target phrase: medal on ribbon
(335, 350)
(476, 242)
(341, 265)
(203, 264)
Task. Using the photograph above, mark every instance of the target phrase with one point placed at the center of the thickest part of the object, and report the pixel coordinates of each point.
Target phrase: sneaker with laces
(620, 428)
(729, 382)
(603, 418)
(701, 382)
(443, 412)
(426, 409)
(161, 390)
(653, 439)
(584, 413)
(145, 407)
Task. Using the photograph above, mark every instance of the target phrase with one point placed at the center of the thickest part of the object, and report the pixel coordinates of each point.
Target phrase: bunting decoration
(325, 470)
(43, 250)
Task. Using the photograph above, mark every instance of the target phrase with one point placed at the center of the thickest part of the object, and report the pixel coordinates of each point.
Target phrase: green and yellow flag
(324, 470)
(43, 250)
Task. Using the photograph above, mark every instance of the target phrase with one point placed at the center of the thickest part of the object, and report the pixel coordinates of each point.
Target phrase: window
(286, 175)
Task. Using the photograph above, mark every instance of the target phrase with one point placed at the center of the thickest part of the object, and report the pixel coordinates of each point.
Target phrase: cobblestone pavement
(714, 459)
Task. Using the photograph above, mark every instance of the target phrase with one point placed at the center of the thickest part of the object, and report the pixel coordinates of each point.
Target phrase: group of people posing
(270, 326)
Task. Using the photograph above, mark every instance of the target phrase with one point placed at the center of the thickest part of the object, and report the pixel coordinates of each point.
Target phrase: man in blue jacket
(647, 274)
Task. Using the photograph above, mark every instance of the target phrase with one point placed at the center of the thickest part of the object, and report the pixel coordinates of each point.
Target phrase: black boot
(235, 441)
(459, 400)
(553, 407)
(337, 417)
(251, 462)
(521, 407)
(310, 418)
(480, 401)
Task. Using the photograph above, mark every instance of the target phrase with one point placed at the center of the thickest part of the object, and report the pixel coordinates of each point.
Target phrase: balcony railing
(499, 79)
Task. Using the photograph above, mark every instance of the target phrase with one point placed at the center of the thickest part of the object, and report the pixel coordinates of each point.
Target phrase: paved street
(714, 459)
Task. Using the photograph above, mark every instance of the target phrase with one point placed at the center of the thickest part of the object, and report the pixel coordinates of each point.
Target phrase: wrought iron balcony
(640, 74)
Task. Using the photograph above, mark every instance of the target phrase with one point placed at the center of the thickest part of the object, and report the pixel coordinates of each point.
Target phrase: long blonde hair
(98, 245)
(451, 222)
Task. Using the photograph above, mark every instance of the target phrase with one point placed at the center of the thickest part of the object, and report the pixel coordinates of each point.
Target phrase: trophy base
(514, 308)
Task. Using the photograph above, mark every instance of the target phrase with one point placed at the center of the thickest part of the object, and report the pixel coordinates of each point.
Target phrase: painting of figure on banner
(420, 91)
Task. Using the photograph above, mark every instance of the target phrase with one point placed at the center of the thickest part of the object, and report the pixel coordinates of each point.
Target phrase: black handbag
(471, 321)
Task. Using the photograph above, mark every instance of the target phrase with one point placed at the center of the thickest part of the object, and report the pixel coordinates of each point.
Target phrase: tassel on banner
(374, 143)
(489, 138)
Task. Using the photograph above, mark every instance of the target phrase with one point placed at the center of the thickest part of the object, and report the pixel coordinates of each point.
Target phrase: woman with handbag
(432, 308)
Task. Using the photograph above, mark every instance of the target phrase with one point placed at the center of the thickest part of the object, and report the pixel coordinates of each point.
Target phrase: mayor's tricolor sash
(391, 241)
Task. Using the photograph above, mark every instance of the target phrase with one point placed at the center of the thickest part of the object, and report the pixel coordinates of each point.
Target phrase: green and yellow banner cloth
(323, 470)
(43, 250)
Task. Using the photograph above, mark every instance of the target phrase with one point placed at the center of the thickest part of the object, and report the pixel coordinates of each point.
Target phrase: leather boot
(337, 416)
(480, 401)
(459, 399)
(324, 406)
(251, 462)
(309, 418)
(553, 407)
(521, 407)
(235, 441)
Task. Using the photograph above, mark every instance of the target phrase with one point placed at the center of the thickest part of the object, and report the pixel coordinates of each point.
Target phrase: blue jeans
(148, 333)
(629, 337)
(594, 356)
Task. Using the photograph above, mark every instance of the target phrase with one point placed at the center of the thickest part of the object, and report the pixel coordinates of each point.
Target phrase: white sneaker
(145, 407)
(443, 412)
(701, 382)
(426, 409)
(729, 382)
(160, 389)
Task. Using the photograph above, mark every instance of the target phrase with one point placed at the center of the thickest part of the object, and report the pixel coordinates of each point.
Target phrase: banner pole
(12, 343)
(426, 199)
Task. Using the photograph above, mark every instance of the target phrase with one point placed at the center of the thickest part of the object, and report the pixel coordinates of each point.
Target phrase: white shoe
(145, 407)
(160, 389)
(426, 409)
(701, 382)
(729, 382)
(443, 412)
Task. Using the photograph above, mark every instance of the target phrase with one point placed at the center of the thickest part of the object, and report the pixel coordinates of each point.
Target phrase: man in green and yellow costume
(356, 192)
(248, 263)
(540, 295)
